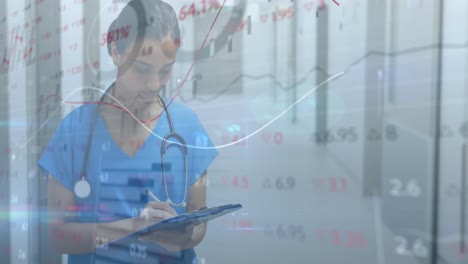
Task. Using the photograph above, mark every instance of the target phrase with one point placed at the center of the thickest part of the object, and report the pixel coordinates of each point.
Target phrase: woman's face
(142, 75)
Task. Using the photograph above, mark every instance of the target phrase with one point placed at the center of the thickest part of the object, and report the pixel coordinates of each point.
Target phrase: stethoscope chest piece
(82, 188)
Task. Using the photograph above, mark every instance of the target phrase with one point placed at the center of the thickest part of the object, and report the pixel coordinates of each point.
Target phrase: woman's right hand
(155, 210)
(152, 213)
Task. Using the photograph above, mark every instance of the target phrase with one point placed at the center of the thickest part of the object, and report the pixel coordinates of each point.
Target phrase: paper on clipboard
(195, 218)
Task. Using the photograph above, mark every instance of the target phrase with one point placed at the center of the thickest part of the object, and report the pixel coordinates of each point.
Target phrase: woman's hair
(143, 19)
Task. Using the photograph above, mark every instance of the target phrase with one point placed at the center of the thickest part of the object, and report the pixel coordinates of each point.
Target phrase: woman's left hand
(171, 239)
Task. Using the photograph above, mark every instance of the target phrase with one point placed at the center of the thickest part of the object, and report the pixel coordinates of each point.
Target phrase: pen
(150, 194)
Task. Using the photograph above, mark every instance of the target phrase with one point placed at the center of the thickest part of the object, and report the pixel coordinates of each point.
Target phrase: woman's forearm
(78, 238)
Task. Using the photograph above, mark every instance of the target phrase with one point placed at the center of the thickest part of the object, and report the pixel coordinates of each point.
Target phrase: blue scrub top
(118, 180)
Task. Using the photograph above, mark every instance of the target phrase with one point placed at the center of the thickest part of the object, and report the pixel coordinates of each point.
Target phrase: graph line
(189, 146)
(317, 68)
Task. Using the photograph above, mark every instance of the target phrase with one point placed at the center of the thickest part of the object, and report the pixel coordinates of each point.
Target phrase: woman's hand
(173, 239)
(152, 213)
(157, 211)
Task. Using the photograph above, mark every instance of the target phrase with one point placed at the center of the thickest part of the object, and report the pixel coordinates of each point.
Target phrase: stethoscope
(82, 187)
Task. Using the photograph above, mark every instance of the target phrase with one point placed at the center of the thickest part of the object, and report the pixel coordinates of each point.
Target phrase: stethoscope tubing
(164, 146)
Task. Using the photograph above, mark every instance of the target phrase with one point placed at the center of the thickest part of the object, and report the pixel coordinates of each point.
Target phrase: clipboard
(196, 217)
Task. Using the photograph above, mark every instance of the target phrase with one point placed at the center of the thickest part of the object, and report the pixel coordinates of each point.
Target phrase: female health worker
(114, 171)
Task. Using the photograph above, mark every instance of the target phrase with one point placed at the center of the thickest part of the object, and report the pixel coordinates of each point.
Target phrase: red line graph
(178, 90)
(198, 55)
